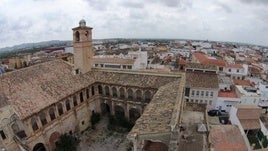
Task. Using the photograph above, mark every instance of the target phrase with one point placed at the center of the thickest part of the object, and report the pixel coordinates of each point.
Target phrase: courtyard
(102, 139)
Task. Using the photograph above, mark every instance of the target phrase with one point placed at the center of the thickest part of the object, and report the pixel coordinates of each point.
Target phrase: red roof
(237, 66)
(227, 138)
(200, 57)
(242, 82)
(255, 70)
(227, 94)
(182, 61)
(203, 59)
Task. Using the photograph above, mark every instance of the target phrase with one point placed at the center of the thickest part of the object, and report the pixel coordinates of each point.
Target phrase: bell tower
(82, 44)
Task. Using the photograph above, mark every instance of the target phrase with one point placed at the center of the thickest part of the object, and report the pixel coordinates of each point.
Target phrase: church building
(41, 102)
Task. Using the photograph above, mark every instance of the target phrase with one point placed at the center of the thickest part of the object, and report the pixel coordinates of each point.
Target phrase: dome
(82, 23)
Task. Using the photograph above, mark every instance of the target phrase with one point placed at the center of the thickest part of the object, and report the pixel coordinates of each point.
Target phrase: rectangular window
(206, 93)
(210, 102)
(129, 67)
(202, 93)
(3, 135)
(197, 93)
(192, 93)
(187, 91)
(211, 94)
(237, 70)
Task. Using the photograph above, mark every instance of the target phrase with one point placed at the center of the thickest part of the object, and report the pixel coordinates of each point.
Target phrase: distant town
(148, 94)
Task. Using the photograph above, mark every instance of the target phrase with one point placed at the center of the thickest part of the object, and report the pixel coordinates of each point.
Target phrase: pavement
(101, 139)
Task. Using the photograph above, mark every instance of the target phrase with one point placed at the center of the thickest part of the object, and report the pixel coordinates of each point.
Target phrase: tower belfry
(82, 44)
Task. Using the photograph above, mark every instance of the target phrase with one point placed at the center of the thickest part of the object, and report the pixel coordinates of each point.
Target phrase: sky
(220, 20)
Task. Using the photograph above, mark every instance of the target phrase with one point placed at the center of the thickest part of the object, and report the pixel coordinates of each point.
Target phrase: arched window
(130, 94)
(81, 97)
(147, 96)
(92, 90)
(86, 35)
(75, 100)
(87, 93)
(67, 104)
(138, 95)
(42, 116)
(60, 109)
(34, 124)
(100, 89)
(77, 36)
(114, 92)
(107, 92)
(52, 114)
(122, 93)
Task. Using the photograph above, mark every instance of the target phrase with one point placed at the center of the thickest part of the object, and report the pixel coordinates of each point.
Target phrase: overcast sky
(221, 20)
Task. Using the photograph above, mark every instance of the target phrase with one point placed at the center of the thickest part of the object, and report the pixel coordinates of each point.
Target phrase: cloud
(261, 2)
(132, 4)
(226, 20)
(225, 7)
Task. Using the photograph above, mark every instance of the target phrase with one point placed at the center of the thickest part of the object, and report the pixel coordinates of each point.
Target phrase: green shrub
(67, 142)
(95, 118)
(119, 122)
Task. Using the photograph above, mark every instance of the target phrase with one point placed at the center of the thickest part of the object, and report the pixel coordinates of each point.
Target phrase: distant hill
(44, 44)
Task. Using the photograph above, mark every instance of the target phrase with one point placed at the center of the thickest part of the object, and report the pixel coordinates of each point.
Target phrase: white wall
(263, 91)
(226, 103)
(199, 99)
(141, 59)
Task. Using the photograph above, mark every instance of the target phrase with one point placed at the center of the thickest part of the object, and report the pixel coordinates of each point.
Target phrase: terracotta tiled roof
(227, 138)
(255, 70)
(3, 100)
(227, 94)
(248, 112)
(216, 62)
(250, 124)
(242, 82)
(131, 78)
(201, 66)
(32, 89)
(182, 61)
(114, 60)
(158, 114)
(200, 57)
(203, 59)
(236, 66)
(201, 80)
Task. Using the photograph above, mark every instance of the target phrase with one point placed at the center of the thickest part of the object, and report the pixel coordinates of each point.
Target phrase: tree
(67, 143)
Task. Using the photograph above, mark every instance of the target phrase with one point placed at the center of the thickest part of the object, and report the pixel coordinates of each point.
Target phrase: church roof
(160, 113)
(34, 88)
(132, 78)
(31, 89)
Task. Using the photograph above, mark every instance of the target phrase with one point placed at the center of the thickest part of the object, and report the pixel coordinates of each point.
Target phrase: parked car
(214, 113)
